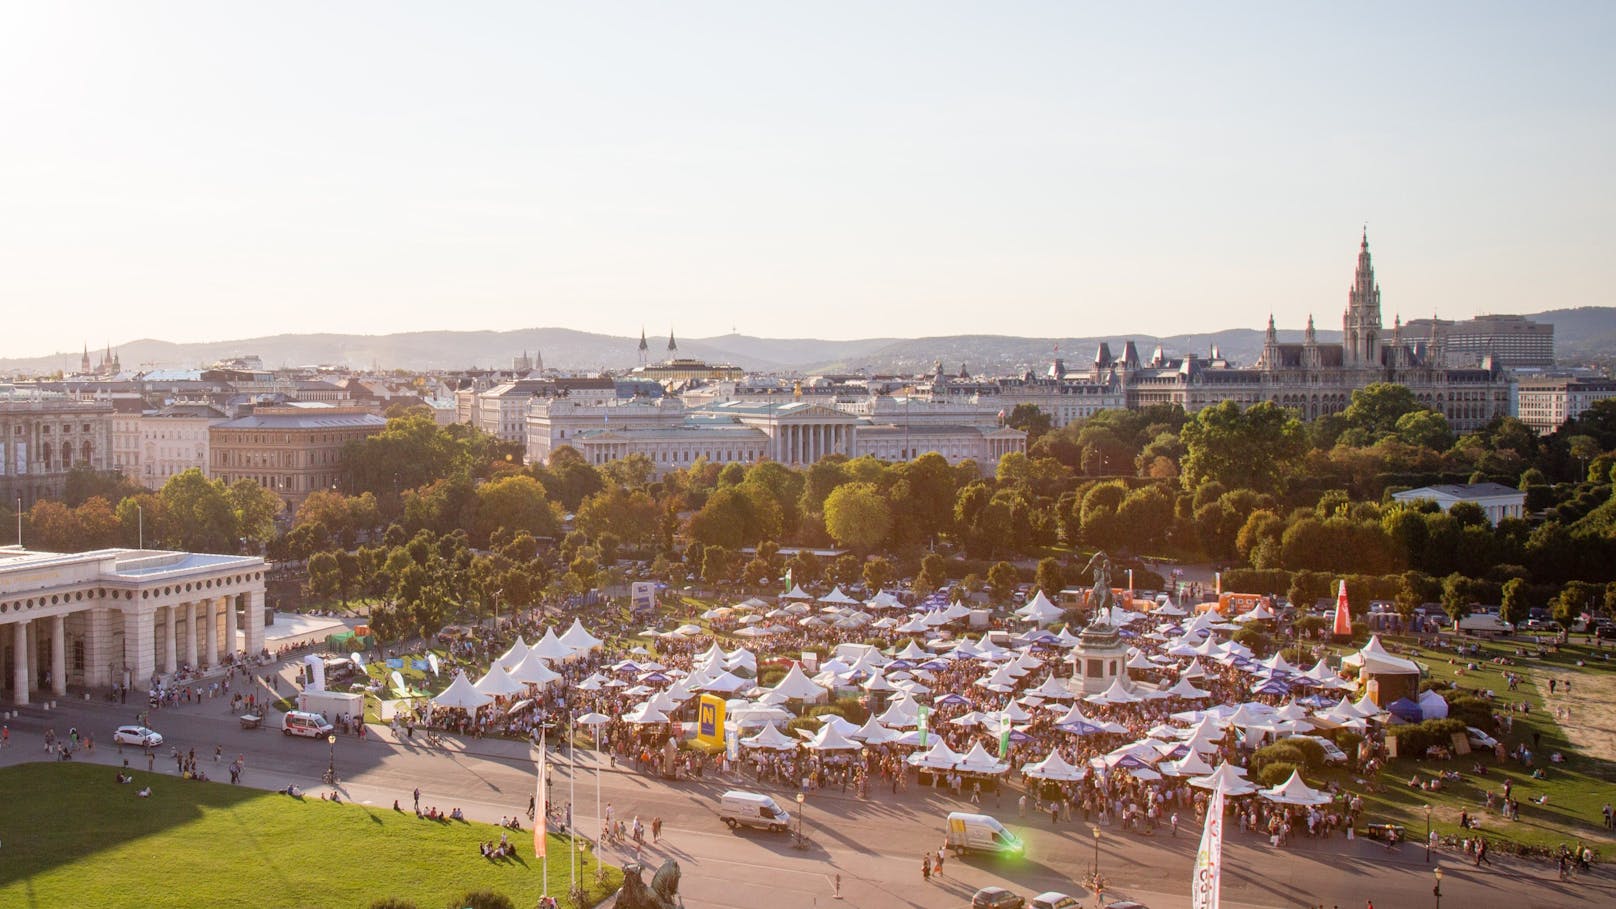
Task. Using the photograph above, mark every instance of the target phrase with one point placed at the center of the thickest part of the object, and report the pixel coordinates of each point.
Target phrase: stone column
(230, 625)
(19, 671)
(98, 652)
(171, 659)
(139, 646)
(254, 630)
(59, 655)
(190, 634)
(210, 627)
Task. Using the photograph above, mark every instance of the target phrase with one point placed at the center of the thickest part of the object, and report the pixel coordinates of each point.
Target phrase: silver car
(137, 735)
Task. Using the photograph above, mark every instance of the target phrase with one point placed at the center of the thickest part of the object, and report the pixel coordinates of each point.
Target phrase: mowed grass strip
(72, 836)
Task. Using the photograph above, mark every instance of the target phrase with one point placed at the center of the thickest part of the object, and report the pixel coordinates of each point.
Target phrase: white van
(752, 809)
(302, 722)
(980, 833)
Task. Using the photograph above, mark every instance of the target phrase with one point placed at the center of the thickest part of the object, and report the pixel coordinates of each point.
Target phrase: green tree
(933, 574)
(1002, 581)
(1514, 607)
(1030, 419)
(1377, 407)
(515, 503)
(1050, 578)
(857, 516)
(1253, 448)
(878, 573)
(198, 514)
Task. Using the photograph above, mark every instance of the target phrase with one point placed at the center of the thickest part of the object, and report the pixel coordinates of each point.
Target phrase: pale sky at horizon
(199, 171)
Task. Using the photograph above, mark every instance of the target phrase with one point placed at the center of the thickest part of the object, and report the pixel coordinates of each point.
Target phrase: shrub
(1280, 752)
(393, 902)
(1258, 640)
(771, 674)
(1312, 752)
(483, 899)
(1414, 738)
(1472, 711)
(1276, 773)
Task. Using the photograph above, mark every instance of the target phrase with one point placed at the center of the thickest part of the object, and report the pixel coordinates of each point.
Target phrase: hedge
(1414, 738)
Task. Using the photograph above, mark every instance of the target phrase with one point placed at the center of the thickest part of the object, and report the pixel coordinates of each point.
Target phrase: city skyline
(196, 173)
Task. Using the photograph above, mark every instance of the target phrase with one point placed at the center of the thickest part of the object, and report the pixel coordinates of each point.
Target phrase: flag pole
(572, 795)
(540, 818)
(598, 818)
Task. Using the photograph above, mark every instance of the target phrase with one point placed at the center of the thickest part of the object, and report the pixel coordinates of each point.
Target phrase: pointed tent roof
(977, 760)
(725, 682)
(836, 596)
(1052, 688)
(1041, 611)
(938, 757)
(498, 683)
(1228, 778)
(797, 685)
(900, 714)
(1191, 764)
(533, 671)
(1055, 767)
(913, 651)
(579, 638)
(645, 714)
(831, 738)
(1116, 694)
(1295, 792)
(1183, 689)
(550, 647)
(515, 655)
(1374, 658)
(461, 694)
(872, 733)
(797, 593)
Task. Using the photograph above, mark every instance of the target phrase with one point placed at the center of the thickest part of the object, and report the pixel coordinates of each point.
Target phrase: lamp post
(1437, 890)
(1096, 830)
(802, 801)
(331, 768)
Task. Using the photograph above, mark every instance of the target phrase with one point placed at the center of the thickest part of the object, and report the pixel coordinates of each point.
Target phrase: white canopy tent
(462, 695)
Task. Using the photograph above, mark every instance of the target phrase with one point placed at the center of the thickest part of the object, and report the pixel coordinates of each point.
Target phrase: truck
(332, 704)
(752, 809)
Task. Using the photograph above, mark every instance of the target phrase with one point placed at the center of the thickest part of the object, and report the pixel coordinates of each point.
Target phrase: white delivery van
(304, 723)
(980, 833)
(752, 809)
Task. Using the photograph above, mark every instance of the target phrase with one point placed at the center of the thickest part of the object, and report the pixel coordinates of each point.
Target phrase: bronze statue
(662, 894)
(1100, 595)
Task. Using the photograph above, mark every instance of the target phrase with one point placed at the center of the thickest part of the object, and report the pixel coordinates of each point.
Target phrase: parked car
(1480, 740)
(1054, 899)
(137, 735)
(996, 898)
(1332, 752)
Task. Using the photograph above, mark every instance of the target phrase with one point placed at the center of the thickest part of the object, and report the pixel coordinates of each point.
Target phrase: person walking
(417, 795)
(937, 866)
(925, 867)
(1481, 855)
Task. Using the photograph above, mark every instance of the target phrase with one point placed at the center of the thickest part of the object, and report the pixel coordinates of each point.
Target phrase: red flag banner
(540, 808)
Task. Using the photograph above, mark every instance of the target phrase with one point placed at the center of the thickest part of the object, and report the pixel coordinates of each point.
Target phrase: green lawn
(73, 837)
(1575, 789)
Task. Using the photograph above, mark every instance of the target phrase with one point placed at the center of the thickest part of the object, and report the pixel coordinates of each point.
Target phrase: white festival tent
(837, 597)
(1054, 767)
(725, 682)
(797, 593)
(873, 733)
(461, 694)
(1183, 689)
(1040, 611)
(831, 738)
(498, 683)
(770, 739)
(977, 760)
(1295, 792)
(1227, 777)
(797, 686)
(550, 647)
(515, 655)
(939, 757)
(1116, 694)
(579, 638)
(645, 714)
(1191, 764)
(533, 671)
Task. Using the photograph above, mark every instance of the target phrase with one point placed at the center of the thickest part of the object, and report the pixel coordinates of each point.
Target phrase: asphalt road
(874, 845)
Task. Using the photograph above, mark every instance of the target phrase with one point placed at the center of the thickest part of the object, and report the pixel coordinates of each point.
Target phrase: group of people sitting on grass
(503, 850)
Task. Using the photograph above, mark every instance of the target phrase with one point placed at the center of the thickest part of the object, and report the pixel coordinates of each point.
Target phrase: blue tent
(1406, 710)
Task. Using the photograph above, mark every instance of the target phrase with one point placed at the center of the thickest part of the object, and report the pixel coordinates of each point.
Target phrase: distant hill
(1581, 334)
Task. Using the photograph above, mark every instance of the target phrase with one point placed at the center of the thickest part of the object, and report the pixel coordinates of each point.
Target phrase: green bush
(1284, 752)
(483, 899)
(1312, 751)
(825, 709)
(1276, 773)
(393, 902)
(772, 674)
(1472, 711)
(1414, 738)
(1345, 739)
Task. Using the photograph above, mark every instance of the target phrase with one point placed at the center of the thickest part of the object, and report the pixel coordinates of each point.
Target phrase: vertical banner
(1004, 735)
(920, 720)
(1209, 858)
(710, 722)
(540, 807)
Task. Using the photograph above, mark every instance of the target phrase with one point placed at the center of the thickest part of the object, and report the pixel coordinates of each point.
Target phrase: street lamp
(331, 768)
(1428, 833)
(1437, 890)
(1096, 830)
(802, 801)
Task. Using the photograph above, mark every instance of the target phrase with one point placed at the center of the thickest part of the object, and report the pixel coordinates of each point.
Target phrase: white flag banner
(1209, 858)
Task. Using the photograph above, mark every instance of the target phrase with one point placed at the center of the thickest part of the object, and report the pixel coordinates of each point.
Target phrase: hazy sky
(214, 170)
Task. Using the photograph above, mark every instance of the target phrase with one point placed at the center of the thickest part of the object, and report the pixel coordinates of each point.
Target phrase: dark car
(996, 898)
